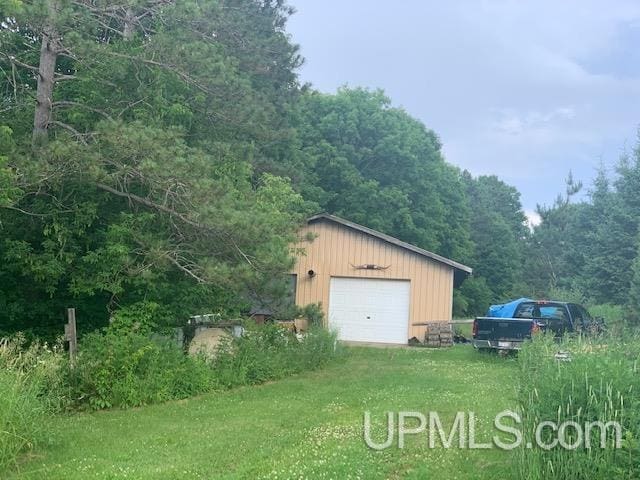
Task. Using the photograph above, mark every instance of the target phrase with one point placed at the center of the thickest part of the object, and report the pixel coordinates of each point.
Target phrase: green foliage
(499, 232)
(598, 383)
(122, 366)
(151, 187)
(141, 317)
(313, 313)
(268, 352)
(8, 184)
(575, 295)
(614, 316)
(361, 158)
(116, 368)
(590, 247)
(633, 303)
(21, 417)
(473, 297)
(31, 387)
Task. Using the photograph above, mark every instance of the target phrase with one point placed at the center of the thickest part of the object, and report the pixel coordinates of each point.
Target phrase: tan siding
(336, 247)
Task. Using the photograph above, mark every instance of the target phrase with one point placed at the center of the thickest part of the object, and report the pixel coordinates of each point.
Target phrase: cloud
(512, 122)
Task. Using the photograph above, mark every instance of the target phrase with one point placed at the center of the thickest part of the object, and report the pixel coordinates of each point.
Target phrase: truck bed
(501, 333)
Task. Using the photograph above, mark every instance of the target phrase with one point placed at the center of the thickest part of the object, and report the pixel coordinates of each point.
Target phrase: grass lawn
(308, 426)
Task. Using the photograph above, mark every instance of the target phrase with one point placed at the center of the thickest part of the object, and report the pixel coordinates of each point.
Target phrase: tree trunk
(46, 78)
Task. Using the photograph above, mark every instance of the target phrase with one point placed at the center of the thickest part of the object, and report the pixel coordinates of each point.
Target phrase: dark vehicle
(531, 317)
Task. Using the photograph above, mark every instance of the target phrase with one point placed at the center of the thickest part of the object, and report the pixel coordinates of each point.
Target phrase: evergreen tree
(134, 174)
(633, 302)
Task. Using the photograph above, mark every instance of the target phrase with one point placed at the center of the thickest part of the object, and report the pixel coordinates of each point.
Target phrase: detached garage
(373, 287)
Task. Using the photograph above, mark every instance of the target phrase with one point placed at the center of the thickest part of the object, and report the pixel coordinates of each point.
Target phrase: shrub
(31, 387)
(614, 317)
(268, 352)
(141, 317)
(312, 313)
(120, 368)
(600, 382)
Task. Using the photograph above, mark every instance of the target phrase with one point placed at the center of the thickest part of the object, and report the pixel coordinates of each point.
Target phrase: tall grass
(31, 388)
(614, 317)
(599, 382)
(269, 352)
(123, 368)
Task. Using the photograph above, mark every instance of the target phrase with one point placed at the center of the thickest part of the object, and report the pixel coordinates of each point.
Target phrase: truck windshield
(537, 310)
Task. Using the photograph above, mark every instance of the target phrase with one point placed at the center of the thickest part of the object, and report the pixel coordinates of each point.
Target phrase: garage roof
(389, 239)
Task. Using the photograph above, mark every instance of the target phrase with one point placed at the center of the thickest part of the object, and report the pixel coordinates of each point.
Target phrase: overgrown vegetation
(122, 369)
(270, 352)
(307, 426)
(31, 388)
(123, 366)
(142, 173)
(117, 369)
(599, 382)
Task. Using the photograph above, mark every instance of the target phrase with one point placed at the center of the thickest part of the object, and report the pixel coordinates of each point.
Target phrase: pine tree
(633, 303)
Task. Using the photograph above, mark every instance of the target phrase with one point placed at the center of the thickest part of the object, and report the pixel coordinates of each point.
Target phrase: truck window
(524, 310)
(545, 311)
(554, 312)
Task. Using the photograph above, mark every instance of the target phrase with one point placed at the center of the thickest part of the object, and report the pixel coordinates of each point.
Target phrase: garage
(372, 287)
(369, 309)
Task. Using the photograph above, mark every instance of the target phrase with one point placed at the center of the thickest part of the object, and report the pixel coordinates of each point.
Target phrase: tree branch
(171, 212)
(185, 269)
(69, 128)
(63, 103)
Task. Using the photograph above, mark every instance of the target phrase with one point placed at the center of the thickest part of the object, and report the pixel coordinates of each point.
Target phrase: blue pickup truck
(507, 326)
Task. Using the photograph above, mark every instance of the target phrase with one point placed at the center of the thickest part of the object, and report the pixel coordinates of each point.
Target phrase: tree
(142, 182)
(363, 159)
(498, 232)
(556, 251)
(473, 298)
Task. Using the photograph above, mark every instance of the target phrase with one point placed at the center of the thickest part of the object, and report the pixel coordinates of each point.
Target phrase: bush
(312, 313)
(599, 382)
(123, 367)
(31, 387)
(141, 317)
(268, 352)
(614, 318)
(120, 368)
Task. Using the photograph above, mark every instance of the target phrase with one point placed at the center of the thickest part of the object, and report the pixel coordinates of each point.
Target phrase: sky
(524, 90)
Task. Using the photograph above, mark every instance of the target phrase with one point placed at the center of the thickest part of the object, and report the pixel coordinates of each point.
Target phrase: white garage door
(370, 310)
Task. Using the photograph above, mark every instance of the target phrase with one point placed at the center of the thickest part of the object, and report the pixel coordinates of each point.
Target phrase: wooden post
(71, 336)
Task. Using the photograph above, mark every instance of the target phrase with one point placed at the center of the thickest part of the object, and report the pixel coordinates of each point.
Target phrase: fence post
(71, 336)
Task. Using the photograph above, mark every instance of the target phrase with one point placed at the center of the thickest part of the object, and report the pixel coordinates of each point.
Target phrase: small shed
(373, 287)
